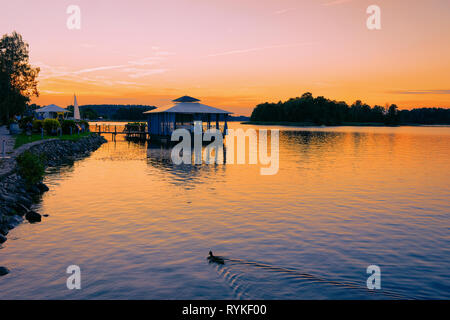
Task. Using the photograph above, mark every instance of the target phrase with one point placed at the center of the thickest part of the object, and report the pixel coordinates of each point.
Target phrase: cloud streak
(137, 68)
(335, 2)
(241, 51)
(421, 92)
(283, 11)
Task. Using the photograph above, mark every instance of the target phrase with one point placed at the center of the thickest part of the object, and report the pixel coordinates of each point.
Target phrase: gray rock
(34, 189)
(33, 217)
(4, 230)
(21, 209)
(3, 271)
(8, 198)
(13, 221)
(24, 201)
(42, 187)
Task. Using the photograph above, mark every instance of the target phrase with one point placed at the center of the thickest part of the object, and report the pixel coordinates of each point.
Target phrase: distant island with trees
(307, 110)
(113, 111)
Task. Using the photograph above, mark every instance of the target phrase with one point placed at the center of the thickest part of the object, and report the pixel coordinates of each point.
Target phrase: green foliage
(67, 125)
(37, 125)
(130, 113)
(51, 126)
(425, 116)
(24, 121)
(303, 109)
(88, 113)
(85, 113)
(85, 124)
(320, 111)
(135, 126)
(31, 167)
(113, 111)
(392, 116)
(17, 78)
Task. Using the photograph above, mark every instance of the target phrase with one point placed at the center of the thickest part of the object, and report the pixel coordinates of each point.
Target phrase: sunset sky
(237, 53)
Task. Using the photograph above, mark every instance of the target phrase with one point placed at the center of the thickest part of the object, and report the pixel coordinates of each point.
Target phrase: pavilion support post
(225, 128)
(164, 124)
(217, 121)
(174, 122)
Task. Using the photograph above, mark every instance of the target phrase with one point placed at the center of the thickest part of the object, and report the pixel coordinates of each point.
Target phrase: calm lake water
(344, 198)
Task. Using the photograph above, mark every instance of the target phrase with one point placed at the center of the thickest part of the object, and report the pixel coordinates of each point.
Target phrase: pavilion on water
(163, 121)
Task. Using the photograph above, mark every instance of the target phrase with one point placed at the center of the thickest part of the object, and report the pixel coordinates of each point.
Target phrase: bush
(85, 124)
(135, 126)
(37, 125)
(51, 126)
(67, 124)
(24, 121)
(31, 167)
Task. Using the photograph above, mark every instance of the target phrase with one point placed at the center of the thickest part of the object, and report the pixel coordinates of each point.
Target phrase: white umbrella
(76, 110)
(51, 108)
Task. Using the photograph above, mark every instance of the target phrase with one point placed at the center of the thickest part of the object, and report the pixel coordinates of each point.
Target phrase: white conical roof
(76, 110)
(51, 108)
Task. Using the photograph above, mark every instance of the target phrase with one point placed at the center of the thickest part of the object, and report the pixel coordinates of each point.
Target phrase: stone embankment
(17, 197)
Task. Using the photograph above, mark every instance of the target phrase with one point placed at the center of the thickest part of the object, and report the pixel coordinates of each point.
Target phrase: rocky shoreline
(17, 197)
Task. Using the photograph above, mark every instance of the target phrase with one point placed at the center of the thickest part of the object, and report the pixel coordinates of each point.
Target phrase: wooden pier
(131, 132)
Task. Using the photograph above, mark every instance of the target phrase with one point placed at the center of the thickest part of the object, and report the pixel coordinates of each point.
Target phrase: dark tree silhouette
(322, 111)
(17, 78)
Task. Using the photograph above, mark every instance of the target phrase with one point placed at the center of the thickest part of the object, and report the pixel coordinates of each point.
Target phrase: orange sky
(237, 53)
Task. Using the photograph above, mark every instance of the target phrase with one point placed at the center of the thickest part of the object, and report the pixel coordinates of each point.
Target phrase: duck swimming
(215, 259)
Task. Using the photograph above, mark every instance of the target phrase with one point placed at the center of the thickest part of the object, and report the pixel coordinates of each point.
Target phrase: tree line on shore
(114, 111)
(323, 111)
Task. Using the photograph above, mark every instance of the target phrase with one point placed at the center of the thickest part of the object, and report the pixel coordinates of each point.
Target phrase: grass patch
(22, 139)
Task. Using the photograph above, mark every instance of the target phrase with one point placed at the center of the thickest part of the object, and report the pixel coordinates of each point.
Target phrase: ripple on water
(344, 198)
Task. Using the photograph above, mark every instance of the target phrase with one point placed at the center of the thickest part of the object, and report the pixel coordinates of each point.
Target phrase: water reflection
(140, 227)
(159, 157)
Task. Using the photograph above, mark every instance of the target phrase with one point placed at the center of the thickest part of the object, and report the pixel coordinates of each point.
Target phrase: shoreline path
(8, 164)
